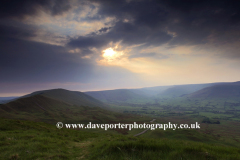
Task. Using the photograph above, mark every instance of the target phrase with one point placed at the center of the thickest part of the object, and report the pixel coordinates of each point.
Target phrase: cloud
(138, 21)
(21, 8)
(88, 42)
(149, 55)
(20, 31)
(105, 29)
(176, 23)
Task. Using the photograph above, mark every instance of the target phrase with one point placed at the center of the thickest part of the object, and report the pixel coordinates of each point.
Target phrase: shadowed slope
(56, 105)
(219, 91)
(181, 90)
(229, 90)
(71, 97)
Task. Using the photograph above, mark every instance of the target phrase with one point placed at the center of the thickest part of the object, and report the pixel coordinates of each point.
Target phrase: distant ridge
(148, 94)
(225, 90)
(181, 90)
(6, 99)
(118, 95)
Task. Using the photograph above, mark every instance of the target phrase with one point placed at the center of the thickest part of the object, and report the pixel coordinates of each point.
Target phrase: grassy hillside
(71, 97)
(31, 140)
(44, 109)
(167, 149)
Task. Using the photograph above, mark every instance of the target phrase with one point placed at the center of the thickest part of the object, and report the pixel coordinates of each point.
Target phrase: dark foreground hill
(71, 97)
(227, 90)
(56, 105)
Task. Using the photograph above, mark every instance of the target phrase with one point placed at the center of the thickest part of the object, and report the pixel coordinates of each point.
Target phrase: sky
(90, 45)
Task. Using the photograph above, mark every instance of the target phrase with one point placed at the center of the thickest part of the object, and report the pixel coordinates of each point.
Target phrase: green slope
(30, 140)
(64, 106)
(71, 97)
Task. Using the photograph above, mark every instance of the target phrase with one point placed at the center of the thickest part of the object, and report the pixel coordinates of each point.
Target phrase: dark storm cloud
(201, 19)
(105, 29)
(147, 16)
(145, 13)
(88, 41)
(149, 20)
(22, 8)
(154, 22)
(183, 22)
(129, 34)
(136, 34)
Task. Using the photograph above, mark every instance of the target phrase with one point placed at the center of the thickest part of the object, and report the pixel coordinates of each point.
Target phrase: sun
(109, 53)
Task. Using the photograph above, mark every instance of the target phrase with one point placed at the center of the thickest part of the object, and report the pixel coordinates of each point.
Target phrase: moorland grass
(36, 140)
(167, 149)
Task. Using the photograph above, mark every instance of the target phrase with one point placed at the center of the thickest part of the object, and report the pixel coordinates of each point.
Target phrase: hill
(56, 105)
(181, 90)
(71, 97)
(147, 94)
(227, 90)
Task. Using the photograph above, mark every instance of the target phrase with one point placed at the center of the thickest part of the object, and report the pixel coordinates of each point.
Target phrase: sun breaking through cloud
(111, 55)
